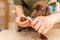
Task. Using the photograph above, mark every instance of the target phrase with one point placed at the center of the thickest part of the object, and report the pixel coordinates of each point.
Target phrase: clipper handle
(24, 19)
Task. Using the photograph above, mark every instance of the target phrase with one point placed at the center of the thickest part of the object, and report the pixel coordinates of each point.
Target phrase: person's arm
(19, 10)
(20, 13)
(18, 7)
(43, 24)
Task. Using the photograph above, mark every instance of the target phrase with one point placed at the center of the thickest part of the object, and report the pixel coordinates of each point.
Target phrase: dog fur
(40, 9)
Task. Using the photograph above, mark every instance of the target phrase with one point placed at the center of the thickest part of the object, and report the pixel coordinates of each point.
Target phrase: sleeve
(17, 2)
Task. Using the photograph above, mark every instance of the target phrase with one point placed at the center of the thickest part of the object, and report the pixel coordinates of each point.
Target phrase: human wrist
(56, 17)
(22, 15)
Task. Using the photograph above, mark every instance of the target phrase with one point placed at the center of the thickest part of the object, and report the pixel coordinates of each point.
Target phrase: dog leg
(43, 37)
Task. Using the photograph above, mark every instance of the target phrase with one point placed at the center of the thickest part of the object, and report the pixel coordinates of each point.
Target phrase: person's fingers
(37, 26)
(23, 23)
(27, 24)
(31, 25)
(34, 21)
(47, 29)
(18, 22)
(41, 28)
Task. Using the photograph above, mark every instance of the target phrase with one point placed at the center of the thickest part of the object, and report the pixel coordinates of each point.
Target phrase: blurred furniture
(4, 17)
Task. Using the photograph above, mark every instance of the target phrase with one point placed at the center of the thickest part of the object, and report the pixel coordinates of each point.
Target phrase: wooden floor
(53, 34)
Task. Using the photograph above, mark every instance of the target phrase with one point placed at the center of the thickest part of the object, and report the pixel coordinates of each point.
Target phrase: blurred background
(8, 15)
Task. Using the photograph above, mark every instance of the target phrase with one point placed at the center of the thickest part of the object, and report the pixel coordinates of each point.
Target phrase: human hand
(22, 23)
(43, 24)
